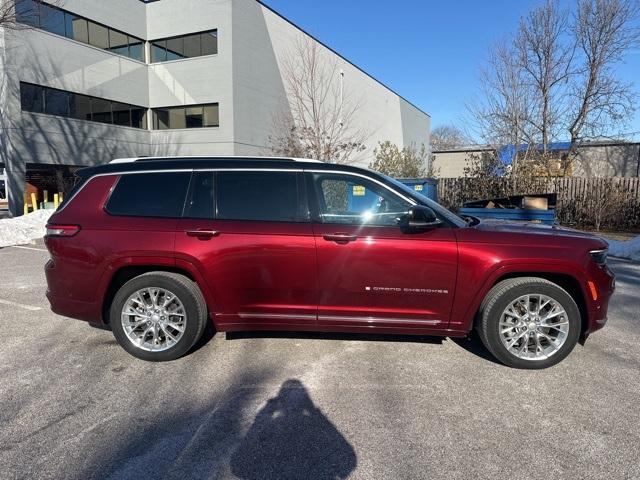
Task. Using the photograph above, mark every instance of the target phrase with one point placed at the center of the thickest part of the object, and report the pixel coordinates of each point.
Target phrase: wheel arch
(565, 281)
(124, 273)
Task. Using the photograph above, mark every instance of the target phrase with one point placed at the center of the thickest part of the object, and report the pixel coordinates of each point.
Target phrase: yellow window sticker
(359, 191)
(418, 187)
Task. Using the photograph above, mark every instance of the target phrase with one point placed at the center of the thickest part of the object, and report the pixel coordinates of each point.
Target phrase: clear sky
(428, 51)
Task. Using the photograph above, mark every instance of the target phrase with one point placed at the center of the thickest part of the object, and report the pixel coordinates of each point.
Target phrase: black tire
(507, 291)
(187, 292)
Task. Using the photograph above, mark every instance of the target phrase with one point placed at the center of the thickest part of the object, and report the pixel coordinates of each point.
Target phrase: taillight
(62, 230)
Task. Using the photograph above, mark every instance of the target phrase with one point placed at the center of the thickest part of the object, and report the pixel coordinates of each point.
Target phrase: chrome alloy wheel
(154, 319)
(533, 327)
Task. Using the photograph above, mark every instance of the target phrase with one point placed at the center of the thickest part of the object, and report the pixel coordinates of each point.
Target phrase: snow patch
(24, 229)
(629, 249)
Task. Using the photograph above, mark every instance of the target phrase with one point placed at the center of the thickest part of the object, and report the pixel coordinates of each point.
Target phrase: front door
(249, 233)
(370, 273)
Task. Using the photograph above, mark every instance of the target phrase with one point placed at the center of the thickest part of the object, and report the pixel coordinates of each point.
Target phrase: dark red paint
(306, 276)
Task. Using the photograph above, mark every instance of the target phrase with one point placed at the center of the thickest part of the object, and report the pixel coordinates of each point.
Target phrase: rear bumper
(88, 312)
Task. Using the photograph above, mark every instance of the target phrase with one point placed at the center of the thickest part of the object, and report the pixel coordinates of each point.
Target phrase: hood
(534, 229)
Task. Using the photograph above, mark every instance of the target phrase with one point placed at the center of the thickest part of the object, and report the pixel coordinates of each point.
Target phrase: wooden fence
(611, 203)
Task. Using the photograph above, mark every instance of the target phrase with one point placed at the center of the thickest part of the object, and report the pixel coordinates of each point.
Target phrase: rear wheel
(158, 316)
(529, 323)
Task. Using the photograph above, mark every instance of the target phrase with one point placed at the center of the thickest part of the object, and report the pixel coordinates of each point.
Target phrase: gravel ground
(74, 405)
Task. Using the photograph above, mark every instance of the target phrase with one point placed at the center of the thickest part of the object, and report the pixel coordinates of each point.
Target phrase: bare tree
(320, 119)
(555, 79)
(604, 31)
(446, 137)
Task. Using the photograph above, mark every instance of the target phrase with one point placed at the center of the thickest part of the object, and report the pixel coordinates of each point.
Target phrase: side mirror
(418, 219)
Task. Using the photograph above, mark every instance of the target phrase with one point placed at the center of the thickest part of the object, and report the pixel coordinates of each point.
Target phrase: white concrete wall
(262, 44)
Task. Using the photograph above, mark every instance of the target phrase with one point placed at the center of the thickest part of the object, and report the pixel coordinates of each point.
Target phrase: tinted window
(175, 48)
(80, 107)
(201, 201)
(136, 49)
(194, 117)
(353, 200)
(121, 114)
(56, 102)
(98, 35)
(158, 51)
(149, 195)
(27, 12)
(77, 28)
(211, 116)
(265, 196)
(192, 46)
(210, 43)
(118, 43)
(101, 110)
(52, 19)
(31, 98)
(138, 117)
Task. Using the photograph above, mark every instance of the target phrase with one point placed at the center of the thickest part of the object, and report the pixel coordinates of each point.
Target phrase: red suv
(155, 248)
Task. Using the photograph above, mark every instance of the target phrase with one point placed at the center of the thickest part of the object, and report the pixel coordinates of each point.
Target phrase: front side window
(149, 195)
(351, 200)
(261, 196)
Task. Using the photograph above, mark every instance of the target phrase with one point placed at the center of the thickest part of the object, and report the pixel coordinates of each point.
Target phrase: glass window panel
(200, 203)
(210, 43)
(265, 196)
(31, 98)
(139, 117)
(121, 114)
(138, 195)
(348, 200)
(118, 43)
(194, 117)
(192, 46)
(101, 110)
(211, 116)
(27, 13)
(76, 28)
(98, 36)
(56, 102)
(136, 49)
(175, 48)
(161, 119)
(52, 19)
(80, 107)
(158, 51)
(177, 118)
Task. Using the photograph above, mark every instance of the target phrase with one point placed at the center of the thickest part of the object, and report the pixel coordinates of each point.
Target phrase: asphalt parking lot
(75, 405)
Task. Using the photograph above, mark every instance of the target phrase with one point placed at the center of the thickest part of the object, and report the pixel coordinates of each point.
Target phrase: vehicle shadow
(291, 438)
(471, 344)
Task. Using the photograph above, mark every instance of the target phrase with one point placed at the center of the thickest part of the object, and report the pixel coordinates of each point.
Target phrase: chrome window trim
(342, 172)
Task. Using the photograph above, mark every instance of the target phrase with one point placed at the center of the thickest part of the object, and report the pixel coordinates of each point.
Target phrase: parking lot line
(20, 305)
(30, 248)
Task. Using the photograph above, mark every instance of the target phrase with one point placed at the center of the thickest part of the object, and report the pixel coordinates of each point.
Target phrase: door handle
(202, 233)
(340, 237)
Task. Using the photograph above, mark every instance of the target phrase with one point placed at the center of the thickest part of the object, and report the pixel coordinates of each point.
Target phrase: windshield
(436, 207)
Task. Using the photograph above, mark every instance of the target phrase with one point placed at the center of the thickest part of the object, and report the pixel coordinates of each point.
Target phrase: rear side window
(262, 196)
(200, 203)
(149, 195)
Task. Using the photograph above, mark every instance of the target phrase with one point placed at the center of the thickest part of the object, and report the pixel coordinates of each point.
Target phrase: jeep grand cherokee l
(155, 248)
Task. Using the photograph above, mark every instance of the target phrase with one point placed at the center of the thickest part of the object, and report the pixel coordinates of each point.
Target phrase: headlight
(600, 256)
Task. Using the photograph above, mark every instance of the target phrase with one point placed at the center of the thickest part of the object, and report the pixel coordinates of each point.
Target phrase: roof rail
(212, 157)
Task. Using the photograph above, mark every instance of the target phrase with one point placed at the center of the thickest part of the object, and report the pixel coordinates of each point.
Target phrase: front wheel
(158, 316)
(529, 323)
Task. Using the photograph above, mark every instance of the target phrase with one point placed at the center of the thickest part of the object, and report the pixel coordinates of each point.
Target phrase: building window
(39, 99)
(191, 116)
(185, 46)
(70, 25)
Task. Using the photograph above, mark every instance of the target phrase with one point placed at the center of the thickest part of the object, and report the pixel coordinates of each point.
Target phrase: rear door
(249, 233)
(370, 273)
